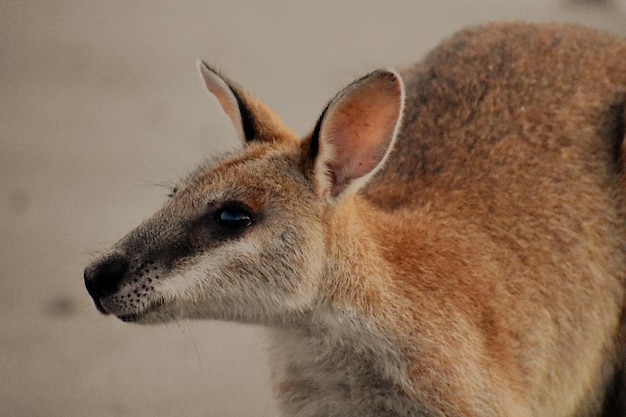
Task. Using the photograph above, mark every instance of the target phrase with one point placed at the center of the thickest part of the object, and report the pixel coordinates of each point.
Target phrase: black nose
(104, 278)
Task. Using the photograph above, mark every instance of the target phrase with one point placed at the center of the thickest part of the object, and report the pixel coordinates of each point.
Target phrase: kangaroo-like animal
(449, 240)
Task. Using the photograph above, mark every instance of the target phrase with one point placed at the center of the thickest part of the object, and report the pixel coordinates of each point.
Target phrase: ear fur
(231, 101)
(253, 120)
(356, 132)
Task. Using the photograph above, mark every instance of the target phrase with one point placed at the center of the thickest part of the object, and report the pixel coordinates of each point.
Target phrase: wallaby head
(243, 237)
(446, 241)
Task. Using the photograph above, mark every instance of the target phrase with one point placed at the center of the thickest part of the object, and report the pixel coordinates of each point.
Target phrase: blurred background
(101, 108)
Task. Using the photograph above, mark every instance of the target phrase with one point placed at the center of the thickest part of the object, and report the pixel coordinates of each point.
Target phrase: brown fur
(479, 272)
(520, 151)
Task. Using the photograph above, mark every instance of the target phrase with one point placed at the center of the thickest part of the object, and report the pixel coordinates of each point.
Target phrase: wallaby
(448, 240)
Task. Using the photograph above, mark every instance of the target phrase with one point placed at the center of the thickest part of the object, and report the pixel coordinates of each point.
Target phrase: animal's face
(240, 239)
(244, 238)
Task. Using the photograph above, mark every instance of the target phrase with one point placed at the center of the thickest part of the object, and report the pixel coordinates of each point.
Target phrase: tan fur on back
(514, 167)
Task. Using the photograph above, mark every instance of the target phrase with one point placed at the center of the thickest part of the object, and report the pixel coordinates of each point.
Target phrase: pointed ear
(252, 119)
(356, 132)
(231, 101)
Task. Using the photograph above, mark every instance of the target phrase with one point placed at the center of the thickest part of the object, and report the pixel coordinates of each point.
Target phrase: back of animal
(514, 134)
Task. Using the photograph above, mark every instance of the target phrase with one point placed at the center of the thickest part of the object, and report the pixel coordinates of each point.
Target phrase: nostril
(104, 278)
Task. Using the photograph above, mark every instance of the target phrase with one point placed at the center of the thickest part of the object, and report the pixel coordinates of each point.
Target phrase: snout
(104, 276)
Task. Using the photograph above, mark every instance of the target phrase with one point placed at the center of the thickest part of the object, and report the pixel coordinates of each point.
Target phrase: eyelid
(233, 204)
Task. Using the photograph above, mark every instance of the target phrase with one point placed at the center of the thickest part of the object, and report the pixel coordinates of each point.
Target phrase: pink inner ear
(364, 143)
(220, 89)
(359, 128)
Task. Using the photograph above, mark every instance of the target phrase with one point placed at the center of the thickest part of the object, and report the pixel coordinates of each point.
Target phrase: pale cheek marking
(205, 269)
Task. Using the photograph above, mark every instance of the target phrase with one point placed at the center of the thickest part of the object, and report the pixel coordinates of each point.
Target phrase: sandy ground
(100, 107)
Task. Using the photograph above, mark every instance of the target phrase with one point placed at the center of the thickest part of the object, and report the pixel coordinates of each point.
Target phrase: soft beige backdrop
(100, 105)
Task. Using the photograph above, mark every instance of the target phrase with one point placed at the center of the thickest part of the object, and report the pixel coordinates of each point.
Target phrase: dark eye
(234, 218)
